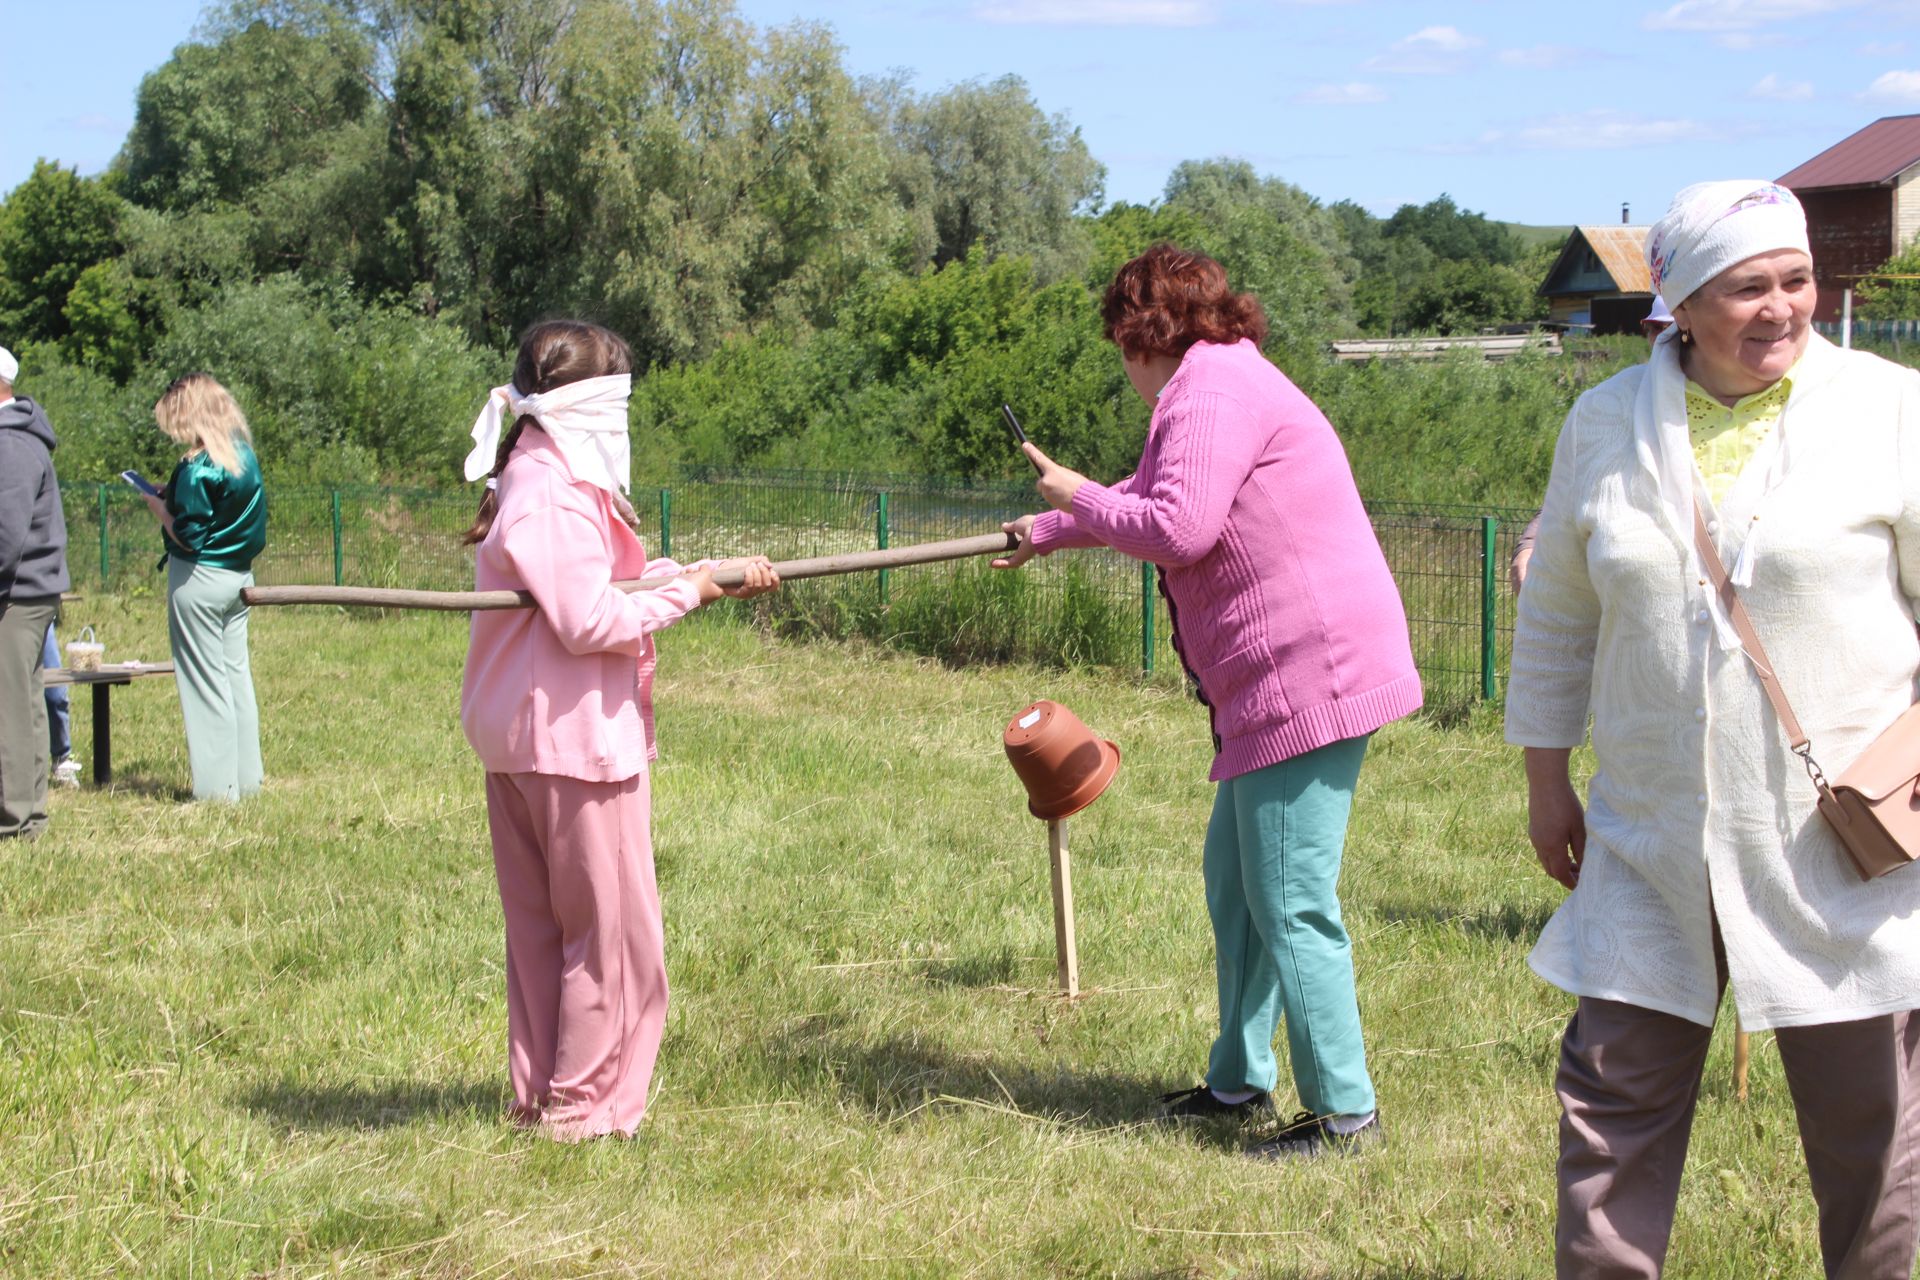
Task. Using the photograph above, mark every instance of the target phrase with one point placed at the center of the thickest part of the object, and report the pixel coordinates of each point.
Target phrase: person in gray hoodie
(33, 573)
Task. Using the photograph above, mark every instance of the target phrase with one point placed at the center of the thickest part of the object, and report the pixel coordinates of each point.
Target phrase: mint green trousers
(1281, 953)
(208, 627)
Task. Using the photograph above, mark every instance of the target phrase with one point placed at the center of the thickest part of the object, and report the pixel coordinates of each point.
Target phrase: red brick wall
(1851, 233)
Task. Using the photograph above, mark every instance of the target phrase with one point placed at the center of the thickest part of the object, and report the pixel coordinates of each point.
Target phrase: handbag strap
(1750, 641)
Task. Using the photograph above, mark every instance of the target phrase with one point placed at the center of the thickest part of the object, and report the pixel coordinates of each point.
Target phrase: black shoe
(1307, 1136)
(1200, 1104)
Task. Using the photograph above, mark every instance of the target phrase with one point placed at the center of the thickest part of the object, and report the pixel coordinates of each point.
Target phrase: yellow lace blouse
(1723, 438)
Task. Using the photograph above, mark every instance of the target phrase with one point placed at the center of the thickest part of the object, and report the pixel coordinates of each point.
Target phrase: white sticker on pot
(1030, 719)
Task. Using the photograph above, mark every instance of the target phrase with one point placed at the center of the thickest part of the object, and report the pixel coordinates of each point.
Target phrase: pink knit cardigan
(1283, 608)
(565, 688)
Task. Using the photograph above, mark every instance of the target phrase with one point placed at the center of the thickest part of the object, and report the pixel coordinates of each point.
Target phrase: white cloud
(1441, 39)
(1541, 57)
(1739, 15)
(1772, 88)
(1597, 130)
(1100, 13)
(1428, 51)
(1340, 95)
(1748, 41)
(1882, 49)
(1895, 87)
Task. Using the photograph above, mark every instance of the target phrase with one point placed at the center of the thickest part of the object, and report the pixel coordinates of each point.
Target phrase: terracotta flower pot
(1062, 765)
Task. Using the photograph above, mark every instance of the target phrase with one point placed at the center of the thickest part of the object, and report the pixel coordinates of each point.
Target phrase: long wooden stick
(789, 571)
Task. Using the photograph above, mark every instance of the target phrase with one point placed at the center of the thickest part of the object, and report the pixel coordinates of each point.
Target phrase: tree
(981, 165)
(1892, 299)
(1461, 296)
(1275, 240)
(1452, 233)
(53, 227)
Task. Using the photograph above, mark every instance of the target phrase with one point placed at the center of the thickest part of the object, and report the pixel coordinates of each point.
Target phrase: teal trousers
(1281, 954)
(208, 627)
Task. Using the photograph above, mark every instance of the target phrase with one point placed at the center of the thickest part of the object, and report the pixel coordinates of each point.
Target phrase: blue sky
(1532, 112)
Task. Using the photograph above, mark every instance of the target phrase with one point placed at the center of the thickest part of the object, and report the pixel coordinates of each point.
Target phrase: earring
(1686, 337)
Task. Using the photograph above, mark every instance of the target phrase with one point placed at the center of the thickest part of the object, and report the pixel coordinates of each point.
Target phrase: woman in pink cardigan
(1291, 628)
(557, 702)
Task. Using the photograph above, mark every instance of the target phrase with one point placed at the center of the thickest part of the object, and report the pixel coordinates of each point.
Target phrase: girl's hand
(1023, 530)
(703, 582)
(760, 577)
(157, 505)
(1057, 484)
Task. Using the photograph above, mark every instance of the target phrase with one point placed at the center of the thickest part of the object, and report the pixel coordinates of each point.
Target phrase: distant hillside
(1531, 236)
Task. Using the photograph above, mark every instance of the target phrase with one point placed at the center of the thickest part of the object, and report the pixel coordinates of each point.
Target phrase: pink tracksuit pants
(586, 958)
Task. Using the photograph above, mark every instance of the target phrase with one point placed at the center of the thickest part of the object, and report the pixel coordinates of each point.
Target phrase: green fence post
(666, 525)
(339, 561)
(1146, 618)
(103, 535)
(880, 531)
(1489, 601)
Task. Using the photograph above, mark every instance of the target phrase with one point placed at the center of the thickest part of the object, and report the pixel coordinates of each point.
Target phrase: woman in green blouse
(213, 515)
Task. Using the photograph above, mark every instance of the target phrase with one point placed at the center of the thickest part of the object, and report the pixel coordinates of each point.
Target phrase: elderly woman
(1290, 626)
(1699, 860)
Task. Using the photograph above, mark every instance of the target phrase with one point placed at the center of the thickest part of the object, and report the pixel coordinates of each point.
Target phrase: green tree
(1463, 296)
(1452, 233)
(53, 228)
(1892, 299)
(1275, 240)
(982, 165)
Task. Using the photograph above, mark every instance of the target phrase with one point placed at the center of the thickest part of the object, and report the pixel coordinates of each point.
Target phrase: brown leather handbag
(1874, 805)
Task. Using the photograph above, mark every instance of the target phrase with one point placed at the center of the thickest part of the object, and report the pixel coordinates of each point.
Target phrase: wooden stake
(1064, 950)
(789, 571)
(1742, 1050)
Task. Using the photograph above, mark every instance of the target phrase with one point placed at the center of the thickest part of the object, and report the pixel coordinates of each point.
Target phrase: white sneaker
(67, 773)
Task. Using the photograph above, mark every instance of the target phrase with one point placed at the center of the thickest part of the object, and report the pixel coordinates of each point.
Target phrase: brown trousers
(1628, 1082)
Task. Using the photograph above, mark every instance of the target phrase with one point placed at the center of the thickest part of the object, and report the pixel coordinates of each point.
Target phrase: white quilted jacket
(1697, 807)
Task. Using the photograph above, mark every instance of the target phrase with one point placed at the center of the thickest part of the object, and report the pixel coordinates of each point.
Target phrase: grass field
(269, 1040)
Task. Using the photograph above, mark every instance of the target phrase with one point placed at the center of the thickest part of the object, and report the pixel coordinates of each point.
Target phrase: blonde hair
(200, 414)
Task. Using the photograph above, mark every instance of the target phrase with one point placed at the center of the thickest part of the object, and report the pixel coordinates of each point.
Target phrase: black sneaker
(1307, 1136)
(1200, 1104)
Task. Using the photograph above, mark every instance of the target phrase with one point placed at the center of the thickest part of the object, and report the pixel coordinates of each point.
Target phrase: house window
(1590, 262)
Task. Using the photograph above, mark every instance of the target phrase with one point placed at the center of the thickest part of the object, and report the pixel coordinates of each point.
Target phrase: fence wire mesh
(1088, 607)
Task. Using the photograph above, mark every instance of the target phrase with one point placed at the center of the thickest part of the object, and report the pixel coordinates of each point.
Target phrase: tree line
(348, 208)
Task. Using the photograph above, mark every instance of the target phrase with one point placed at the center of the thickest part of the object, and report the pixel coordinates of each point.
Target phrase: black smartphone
(1019, 436)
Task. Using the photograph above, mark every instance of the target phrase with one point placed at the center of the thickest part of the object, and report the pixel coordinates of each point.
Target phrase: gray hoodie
(33, 528)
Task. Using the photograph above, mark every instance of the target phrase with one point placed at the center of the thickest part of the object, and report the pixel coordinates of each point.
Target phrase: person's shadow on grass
(892, 1078)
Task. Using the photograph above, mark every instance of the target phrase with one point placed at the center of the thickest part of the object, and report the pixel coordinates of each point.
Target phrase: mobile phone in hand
(1019, 436)
(140, 482)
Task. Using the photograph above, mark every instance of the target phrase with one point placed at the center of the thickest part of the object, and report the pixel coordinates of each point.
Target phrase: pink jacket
(1283, 608)
(565, 688)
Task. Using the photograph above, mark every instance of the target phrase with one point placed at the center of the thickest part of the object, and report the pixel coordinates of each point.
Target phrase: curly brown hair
(1169, 298)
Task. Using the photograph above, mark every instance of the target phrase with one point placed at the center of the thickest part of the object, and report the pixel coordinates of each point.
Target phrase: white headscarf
(586, 420)
(1712, 225)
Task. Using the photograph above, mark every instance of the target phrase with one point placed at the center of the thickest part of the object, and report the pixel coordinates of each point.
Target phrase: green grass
(269, 1040)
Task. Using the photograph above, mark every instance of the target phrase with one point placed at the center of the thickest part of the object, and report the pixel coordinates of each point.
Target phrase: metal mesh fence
(1091, 607)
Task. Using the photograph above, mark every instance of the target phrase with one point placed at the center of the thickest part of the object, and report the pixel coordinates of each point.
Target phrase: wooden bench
(102, 682)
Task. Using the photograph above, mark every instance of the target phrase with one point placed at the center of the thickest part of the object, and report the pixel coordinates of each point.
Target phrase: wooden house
(1600, 280)
(1862, 197)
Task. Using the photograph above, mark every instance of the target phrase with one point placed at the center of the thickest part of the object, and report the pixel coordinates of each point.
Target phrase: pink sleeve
(1208, 447)
(561, 556)
(1055, 530)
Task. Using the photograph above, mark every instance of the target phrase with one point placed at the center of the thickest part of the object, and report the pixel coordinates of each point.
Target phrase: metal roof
(1622, 253)
(1873, 157)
